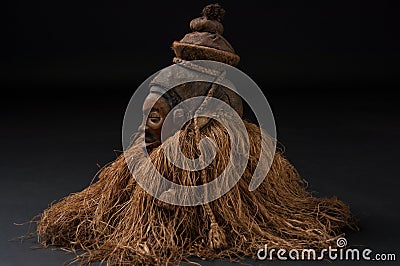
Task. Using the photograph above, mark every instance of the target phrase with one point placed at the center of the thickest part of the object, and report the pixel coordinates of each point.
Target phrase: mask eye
(154, 117)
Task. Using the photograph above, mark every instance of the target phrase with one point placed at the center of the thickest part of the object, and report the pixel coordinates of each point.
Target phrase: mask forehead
(153, 100)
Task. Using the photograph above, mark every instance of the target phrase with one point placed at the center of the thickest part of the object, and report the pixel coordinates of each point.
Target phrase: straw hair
(116, 221)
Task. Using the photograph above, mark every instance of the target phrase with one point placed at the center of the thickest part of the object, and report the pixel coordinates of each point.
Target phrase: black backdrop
(328, 68)
(284, 43)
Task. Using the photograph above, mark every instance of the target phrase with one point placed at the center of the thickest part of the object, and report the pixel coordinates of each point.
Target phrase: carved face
(155, 110)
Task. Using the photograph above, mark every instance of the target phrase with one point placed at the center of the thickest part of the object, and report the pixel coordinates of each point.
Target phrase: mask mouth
(150, 141)
(149, 137)
(150, 146)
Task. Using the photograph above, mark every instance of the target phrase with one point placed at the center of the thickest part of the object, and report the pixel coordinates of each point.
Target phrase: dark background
(329, 70)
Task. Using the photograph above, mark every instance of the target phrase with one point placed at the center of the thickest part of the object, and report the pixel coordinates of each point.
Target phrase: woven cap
(206, 41)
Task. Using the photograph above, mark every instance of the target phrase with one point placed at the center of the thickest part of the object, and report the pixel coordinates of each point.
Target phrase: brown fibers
(116, 221)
